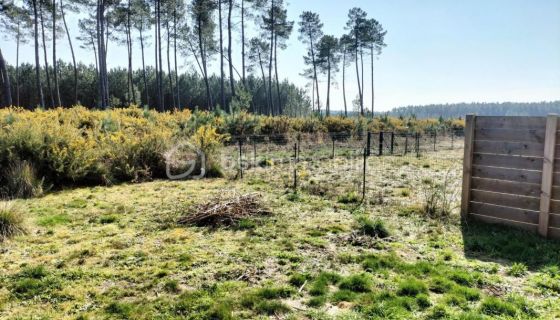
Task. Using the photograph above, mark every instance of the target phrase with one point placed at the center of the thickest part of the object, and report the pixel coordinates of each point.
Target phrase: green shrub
(374, 228)
(11, 221)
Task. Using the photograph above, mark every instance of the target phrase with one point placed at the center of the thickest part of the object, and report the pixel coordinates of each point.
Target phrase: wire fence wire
(372, 166)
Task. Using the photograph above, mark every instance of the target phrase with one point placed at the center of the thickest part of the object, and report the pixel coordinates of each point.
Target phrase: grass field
(117, 252)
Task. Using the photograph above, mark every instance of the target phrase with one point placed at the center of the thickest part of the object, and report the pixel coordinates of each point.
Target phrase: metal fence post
(364, 177)
(452, 139)
(368, 152)
(332, 156)
(435, 139)
(417, 145)
(254, 151)
(380, 143)
(405, 143)
(295, 165)
(240, 158)
(392, 142)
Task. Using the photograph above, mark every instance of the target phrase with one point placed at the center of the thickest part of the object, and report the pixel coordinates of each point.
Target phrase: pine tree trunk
(17, 64)
(169, 74)
(243, 42)
(129, 68)
(280, 111)
(344, 81)
(129, 35)
(175, 56)
(72, 52)
(272, 22)
(5, 77)
(363, 84)
(230, 43)
(45, 58)
(315, 73)
(204, 69)
(222, 94)
(372, 86)
(55, 68)
(37, 63)
(358, 75)
(158, 103)
(264, 81)
(328, 86)
(162, 101)
(146, 91)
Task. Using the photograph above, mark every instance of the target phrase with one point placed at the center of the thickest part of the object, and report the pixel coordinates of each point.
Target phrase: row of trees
(198, 31)
(458, 110)
(365, 36)
(191, 89)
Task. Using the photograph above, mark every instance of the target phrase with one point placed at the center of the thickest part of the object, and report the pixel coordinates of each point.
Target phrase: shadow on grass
(505, 244)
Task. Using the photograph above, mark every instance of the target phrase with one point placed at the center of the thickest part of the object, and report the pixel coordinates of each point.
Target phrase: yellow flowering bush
(78, 146)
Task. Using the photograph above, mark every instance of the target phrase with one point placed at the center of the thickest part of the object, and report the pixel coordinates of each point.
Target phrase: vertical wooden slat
(547, 173)
(467, 165)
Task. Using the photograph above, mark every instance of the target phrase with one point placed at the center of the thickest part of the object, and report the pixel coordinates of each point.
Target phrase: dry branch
(225, 210)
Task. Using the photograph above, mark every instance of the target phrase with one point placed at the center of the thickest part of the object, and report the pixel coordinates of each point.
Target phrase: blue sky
(439, 51)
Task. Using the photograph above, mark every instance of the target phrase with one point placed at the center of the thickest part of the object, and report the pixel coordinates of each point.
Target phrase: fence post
(380, 143)
(417, 142)
(392, 142)
(240, 159)
(467, 165)
(435, 139)
(298, 146)
(405, 143)
(295, 165)
(368, 152)
(254, 151)
(332, 155)
(364, 177)
(452, 139)
(547, 173)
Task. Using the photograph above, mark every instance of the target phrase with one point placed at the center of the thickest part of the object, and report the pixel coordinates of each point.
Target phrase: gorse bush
(11, 221)
(77, 146)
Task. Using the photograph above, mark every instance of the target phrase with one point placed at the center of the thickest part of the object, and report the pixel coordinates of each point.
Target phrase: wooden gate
(511, 172)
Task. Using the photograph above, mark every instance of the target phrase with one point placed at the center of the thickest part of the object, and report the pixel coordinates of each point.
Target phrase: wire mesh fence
(372, 166)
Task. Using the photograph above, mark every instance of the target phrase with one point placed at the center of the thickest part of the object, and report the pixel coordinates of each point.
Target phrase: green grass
(116, 252)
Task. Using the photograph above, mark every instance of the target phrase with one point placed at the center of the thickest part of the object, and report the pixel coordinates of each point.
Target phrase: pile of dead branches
(226, 210)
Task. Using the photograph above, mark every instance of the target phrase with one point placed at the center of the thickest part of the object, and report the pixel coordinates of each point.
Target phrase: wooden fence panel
(511, 172)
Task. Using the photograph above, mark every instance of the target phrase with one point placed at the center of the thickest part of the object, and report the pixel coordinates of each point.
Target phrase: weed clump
(517, 270)
(349, 198)
(374, 228)
(11, 221)
(21, 180)
(412, 287)
(357, 283)
(495, 307)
